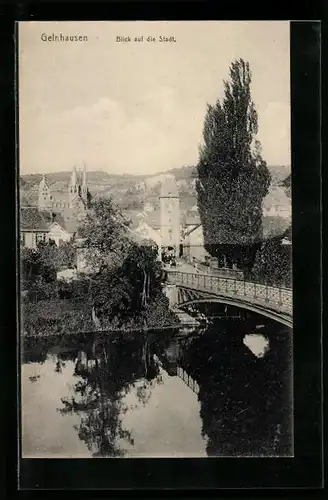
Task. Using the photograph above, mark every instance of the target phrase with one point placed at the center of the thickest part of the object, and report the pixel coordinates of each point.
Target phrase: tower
(170, 215)
(73, 187)
(45, 198)
(84, 187)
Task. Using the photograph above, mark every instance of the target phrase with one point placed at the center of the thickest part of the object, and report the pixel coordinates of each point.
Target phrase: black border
(303, 471)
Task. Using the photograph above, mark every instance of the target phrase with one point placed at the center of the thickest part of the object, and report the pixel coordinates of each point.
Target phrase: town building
(73, 203)
(194, 245)
(170, 216)
(34, 226)
(168, 226)
(57, 216)
(44, 226)
(277, 204)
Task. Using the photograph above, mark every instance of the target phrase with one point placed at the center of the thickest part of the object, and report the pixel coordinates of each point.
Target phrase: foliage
(127, 294)
(273, 263)
(104, 234)
(126, 277)
(123, 287)
(233, 179)
(274, 226)
(157, 313)
(53, 317)
(61, 257)
(41, 265)
(34, 268)
(287, 183)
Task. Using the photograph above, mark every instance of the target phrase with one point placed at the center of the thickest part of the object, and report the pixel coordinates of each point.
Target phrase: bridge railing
(281, 297)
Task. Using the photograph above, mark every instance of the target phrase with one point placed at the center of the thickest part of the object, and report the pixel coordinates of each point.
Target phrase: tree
(233, 179)
(126, 277)
(61, 257)
(287, 184)
(130, 291)
(35, 269)
(273, 263)
(104, 232)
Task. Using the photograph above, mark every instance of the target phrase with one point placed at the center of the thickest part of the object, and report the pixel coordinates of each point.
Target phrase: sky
(139, 107)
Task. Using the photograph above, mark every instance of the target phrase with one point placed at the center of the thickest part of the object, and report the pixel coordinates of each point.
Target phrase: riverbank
(63, 317)
(176, 326)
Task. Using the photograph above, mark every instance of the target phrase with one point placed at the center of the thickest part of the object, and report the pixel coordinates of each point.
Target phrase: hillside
(129, 191)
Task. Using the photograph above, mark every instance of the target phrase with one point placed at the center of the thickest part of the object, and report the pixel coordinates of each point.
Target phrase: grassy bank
(68, 317)
(55, 316)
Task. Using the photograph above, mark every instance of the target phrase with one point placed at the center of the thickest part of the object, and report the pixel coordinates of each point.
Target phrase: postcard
(156, 300)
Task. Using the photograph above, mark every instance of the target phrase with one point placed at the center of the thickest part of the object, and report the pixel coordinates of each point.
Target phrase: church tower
(73, 187)
(45, 198)
(170, 216)
(84, 187)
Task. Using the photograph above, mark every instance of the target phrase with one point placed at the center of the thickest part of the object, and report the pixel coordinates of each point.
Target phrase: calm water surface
(164, 394)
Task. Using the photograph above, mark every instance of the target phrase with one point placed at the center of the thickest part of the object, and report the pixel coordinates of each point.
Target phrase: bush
(49, 317)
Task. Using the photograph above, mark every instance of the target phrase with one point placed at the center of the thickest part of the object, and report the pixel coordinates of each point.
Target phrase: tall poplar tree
(233, 179)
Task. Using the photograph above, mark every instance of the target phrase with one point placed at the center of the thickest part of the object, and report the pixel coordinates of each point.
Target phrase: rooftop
(153, 219)
(32, 219)
(139, 239)
(276, 197)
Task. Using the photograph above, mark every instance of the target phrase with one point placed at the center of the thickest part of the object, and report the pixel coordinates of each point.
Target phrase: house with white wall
(193, 244)
(277, 204)
(34, 226)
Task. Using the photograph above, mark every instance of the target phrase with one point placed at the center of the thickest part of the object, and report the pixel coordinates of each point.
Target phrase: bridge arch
(194, 288)
(268, 313)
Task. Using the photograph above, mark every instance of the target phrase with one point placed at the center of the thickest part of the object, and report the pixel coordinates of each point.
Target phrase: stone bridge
(189, 289)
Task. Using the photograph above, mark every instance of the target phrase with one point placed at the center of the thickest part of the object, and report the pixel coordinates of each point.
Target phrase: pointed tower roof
(84, 179)
(73, 180)
(43, 182)
(169, 188)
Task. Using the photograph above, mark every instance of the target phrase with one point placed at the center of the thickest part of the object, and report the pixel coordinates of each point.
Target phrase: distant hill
(130, 192)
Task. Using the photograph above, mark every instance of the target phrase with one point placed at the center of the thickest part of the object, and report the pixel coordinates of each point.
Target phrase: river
(221, 391)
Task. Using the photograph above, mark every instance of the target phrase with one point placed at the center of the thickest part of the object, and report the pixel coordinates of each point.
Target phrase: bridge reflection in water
(111, 397)
(245, 396)
(187, 379)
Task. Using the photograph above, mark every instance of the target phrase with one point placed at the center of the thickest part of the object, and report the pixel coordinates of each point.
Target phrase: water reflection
(164, 394)
(106, 373)
(246, 400)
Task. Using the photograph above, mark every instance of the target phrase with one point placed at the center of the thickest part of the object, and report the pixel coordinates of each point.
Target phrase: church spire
(84, 188)
(73, 187)
(73, 181)
(84, 182)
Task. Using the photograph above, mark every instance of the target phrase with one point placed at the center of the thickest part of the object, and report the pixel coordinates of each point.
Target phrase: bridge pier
(171, 292)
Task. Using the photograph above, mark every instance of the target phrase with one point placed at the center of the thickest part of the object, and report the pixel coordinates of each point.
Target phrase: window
(39, 237)
(22, 239)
